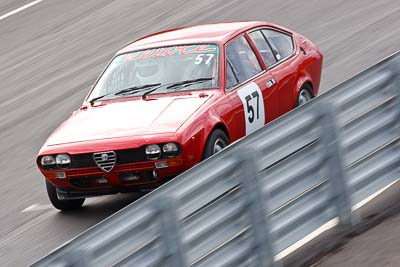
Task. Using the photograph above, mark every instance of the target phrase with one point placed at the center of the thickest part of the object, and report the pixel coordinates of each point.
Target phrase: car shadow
(96, 209)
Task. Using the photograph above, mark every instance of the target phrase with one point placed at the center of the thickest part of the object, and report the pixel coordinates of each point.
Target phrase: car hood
(127, 118)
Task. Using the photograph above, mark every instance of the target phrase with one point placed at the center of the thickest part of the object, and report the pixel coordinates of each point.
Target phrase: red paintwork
(184, 117)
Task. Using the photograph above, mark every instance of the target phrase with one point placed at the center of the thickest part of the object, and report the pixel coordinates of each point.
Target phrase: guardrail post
(169, 232)
(254, 201)
(329, 137)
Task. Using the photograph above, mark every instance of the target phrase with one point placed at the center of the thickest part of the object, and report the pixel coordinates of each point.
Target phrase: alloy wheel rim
(304, 97)
(219, 145)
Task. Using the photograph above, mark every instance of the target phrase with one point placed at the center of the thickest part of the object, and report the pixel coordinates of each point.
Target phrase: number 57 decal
(250, 108)
(205, 58)
(253, 107)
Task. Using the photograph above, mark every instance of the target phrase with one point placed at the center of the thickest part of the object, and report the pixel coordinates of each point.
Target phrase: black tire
(305, 95)
(217, 138)
(65, 204)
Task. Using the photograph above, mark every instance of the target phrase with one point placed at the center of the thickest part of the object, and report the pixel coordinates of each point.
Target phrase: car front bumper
(92, 181)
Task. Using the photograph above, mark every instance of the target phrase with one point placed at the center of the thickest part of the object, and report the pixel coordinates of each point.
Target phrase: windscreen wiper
(124, 91)
(136, 88)
(176, 84)
(189, 82)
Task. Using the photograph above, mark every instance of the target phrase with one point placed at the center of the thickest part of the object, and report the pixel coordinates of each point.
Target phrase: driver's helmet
(148, 70)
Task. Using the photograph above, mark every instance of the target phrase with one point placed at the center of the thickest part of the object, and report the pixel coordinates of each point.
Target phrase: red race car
(173, 98)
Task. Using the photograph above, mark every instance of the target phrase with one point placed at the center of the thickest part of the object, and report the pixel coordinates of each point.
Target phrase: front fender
(196, 135)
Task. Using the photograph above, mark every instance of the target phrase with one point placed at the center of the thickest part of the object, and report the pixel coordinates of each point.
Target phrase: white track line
(37, 207)
(325, 227)
(371, 197)
(330, 224)
(15, 11)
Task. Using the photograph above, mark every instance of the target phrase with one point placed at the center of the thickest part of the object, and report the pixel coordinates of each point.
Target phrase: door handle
(271, 82)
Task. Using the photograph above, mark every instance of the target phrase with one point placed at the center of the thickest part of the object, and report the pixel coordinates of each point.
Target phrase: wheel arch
(220, 126)
(304, 81)
(217, 126)
(310, 88)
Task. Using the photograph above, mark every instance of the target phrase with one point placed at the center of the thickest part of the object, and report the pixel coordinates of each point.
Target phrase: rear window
(263, 47)
(281, 43)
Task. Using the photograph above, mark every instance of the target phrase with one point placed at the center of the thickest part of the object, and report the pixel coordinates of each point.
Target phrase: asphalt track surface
(51, 52)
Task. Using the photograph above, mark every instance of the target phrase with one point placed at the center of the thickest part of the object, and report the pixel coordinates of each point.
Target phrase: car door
(271, 92)
(284, 69)
(247, 84)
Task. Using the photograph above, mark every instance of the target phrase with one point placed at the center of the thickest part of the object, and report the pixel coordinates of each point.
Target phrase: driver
(148, 71)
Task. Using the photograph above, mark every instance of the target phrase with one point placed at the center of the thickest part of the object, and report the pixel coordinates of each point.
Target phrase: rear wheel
(217, 141)
(62, 204)
(304, 95)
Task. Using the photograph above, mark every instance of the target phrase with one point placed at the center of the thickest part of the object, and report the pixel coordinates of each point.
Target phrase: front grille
(82, 161)
(123, 156)
(131, 155)
(105, 160)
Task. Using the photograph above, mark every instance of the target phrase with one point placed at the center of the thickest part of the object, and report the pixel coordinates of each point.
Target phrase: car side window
(241, 62)
(231, 79)
(265, 50)
(281, 43)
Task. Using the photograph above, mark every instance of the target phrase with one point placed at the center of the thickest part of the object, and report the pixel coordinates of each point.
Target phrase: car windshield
(164, 66)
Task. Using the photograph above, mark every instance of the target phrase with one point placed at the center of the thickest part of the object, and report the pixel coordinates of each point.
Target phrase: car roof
(206, 33)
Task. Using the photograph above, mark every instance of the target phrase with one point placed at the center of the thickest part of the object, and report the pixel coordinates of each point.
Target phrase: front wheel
(217, 141)
(62, 204)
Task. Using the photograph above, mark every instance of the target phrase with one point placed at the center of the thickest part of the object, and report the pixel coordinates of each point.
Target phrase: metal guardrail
(261, 195)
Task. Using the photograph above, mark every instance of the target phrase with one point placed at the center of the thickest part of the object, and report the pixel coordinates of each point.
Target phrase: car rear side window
(242, 63)
(281, 43)
(265, 50)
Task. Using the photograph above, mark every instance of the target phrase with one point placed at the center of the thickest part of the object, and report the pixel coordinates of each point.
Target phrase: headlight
(47, 161)
(153, 151)
(63, 160)
(170, 149)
